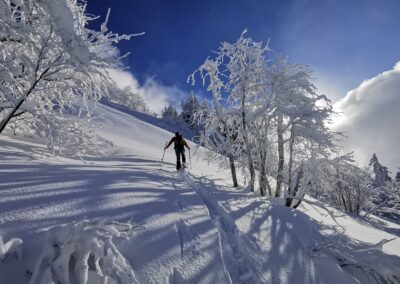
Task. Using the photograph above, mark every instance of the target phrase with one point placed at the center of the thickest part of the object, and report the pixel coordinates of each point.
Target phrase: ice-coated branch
(319, 204)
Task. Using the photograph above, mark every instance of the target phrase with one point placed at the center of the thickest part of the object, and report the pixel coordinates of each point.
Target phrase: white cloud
(155, 95)
(371, 119)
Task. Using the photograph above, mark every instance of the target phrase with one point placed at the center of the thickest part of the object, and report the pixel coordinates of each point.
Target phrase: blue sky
(344, 42)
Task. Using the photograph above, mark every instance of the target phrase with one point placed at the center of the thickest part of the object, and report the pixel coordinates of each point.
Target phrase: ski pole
(162, 160)
(190, 160)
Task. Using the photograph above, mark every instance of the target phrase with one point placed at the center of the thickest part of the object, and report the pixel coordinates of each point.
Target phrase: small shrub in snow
(74, 137)
(83, 252)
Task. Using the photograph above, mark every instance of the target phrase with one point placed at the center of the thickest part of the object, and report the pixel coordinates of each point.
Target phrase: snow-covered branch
(49, 58)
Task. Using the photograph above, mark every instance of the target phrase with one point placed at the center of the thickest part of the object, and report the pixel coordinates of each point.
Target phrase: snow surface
(192, 226)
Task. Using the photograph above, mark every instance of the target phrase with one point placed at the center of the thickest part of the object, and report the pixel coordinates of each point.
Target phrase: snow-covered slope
(192, 227)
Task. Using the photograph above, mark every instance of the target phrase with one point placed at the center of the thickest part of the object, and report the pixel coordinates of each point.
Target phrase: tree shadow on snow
(67, 192)
(282, 243)
(36, 194)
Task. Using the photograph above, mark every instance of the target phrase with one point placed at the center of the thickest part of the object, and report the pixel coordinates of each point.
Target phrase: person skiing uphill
(179, 146)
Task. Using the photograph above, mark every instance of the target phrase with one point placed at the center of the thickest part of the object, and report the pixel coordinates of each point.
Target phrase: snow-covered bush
(74, 137)
(84, 252)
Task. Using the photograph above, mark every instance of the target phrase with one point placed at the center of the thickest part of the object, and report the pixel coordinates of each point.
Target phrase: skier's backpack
(180, 142)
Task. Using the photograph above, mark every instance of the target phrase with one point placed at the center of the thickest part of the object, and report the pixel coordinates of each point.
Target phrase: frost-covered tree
(266, 160)
(355, 188)
(340, 183)
(299, 117)
(220, 131)
(238, 70)
(246, 80)
(272, 110)
(289, 127)
(386, 196)
(51, 63)
(189, 108)
(126, 97)
(397, 178)
(385, 202)
(169, 113)
(201, 115)
(381, 173)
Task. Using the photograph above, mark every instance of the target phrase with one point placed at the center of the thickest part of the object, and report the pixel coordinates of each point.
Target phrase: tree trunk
(281, 157)
(247, 144)
(289, 200)
(350, 203)
(299, 201)
(251, 169)
(263, 176)
(233, 170)
(268, 186)
(290, 166)
(263, 179)
(5, 121)
(218, 110)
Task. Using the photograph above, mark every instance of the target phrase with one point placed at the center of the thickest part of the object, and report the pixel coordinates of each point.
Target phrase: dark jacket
(179, 143)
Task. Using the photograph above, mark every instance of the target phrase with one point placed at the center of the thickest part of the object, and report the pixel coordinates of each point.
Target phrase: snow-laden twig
(367, 263)
(12, 246)
(84, 252)
(378, 246)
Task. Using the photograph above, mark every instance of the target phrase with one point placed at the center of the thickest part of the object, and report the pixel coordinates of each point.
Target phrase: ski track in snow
(247, 257)
(233, 245)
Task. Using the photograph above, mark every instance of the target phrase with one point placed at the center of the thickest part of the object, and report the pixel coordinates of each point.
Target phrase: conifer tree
(381, 173)
(169, 113)
(397, 178)
(189, 108)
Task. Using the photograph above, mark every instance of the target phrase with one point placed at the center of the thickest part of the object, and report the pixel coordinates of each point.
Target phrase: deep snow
(192, 227)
